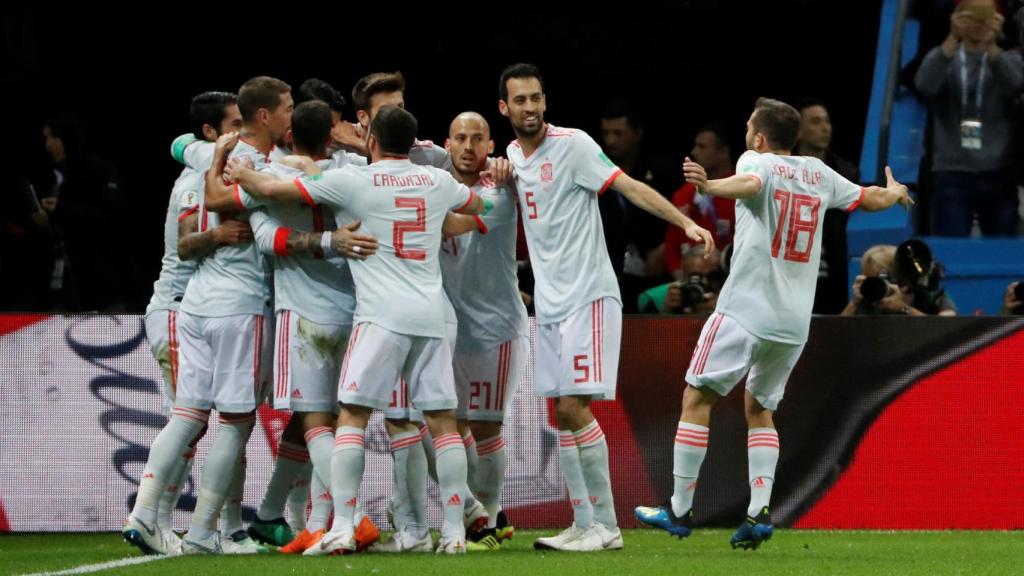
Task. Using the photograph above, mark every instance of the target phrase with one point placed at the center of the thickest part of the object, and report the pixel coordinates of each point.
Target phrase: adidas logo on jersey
(455, 500)
(325, 496)
(758, 482)
(296, 394)
(351, 503)
(353, 387)
(593, 499)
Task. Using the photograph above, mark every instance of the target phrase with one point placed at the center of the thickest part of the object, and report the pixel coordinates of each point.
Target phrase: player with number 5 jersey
(761, 321)
(559, 175)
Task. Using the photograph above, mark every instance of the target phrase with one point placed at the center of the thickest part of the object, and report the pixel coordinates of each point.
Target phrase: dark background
(129, 74)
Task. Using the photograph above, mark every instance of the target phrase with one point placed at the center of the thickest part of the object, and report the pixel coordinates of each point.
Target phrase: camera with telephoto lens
(916, 268)
(874, 289)
(694, 290)
(697, 288)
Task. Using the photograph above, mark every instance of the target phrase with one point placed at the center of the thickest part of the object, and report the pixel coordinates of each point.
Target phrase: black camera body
(916, 268)
(694, 290)
(874, 289)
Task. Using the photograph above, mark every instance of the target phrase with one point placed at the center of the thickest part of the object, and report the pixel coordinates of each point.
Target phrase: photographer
(919, 277)
(881, 296)
(696, 292)
(1013, 300)
(905, 280)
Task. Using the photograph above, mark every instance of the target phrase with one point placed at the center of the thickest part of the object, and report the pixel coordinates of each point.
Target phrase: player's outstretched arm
(737, 187)
(273, 239)
(648, 199)
(878, 198)
(264, 186)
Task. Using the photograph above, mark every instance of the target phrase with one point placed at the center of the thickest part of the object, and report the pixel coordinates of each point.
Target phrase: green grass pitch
(707, 552)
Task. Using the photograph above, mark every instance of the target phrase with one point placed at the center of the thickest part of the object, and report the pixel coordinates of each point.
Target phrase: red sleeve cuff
(480, 224)
(463, 207)
(281, 241)
(608, 182)
(188, 213)
(305, 193)
(238, 196)
(760, 183)
(857, 203)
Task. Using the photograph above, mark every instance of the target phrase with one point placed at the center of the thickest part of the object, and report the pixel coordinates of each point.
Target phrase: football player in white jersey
(763, 313)
(225, 346)
(399, 312)
(479, 270)
(413, 458)
(314, 296)
(559, 174)
(210, 114)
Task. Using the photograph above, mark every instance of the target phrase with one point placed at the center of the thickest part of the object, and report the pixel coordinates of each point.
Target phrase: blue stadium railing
(977, 271)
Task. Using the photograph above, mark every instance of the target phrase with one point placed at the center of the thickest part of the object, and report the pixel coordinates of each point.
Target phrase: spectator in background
(634, 236)
(1013, 299)
(816, 140)
(876, 263)
(85, 208)
(26, 247)
(718, 215)
(971, 86)
(900, 280)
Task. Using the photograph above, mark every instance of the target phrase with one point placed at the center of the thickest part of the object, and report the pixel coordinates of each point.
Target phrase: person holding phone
(970, 85)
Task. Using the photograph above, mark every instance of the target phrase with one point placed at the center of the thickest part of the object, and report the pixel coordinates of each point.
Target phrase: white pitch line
(88, 568)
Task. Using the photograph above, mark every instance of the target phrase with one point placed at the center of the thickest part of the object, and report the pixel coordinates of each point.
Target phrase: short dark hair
(395, 130)
(260, 92)
(778, 121)
(317, 89)
(311, 126)
(376, 83)
(620, 108)
(809, 101)
(719, 129)
(520, 70)
(208, 108)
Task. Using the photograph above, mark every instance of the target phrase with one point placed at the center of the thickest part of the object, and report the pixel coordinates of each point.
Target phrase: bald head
(470, 121)
(469, 143)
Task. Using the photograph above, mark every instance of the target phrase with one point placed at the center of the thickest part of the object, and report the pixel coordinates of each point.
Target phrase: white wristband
(325, 244)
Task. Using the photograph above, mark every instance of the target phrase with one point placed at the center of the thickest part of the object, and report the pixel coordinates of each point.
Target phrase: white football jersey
(169, 288)
(317, 288)
(558, 187)
(480, 274)
(402, 205)
(233, 280)
(777, 246)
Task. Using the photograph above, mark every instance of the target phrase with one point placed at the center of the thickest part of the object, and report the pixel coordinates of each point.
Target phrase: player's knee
(757, 415)
(484, 430)
(354, 416)
(312, 420)
(441, 422)
(698, 399)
